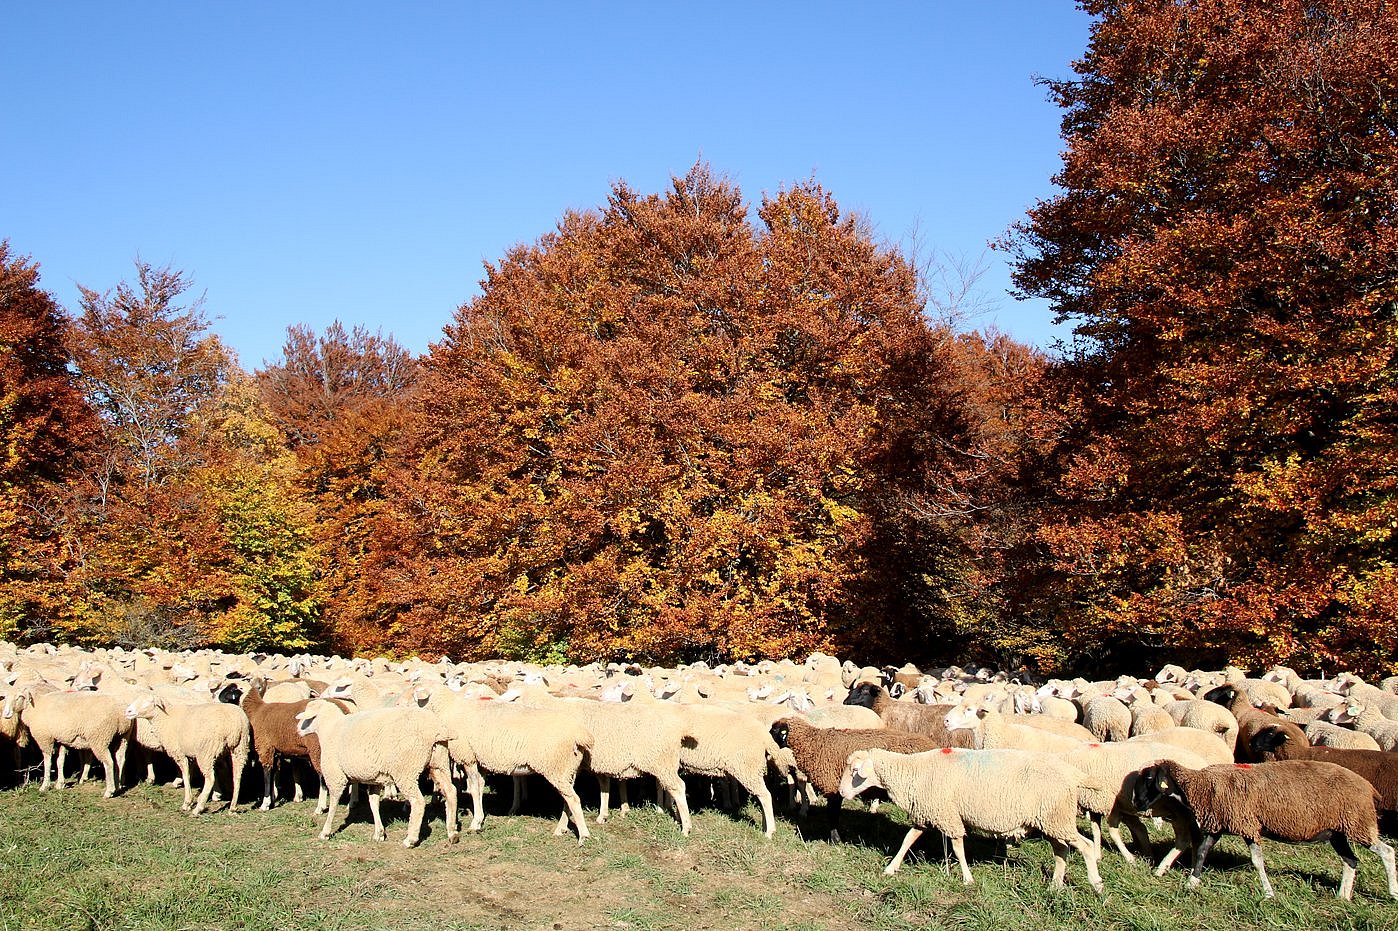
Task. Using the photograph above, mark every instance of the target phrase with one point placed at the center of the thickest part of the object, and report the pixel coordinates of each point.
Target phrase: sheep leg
(1256, 850)
(1089, 859)
(104, 756)
(475, 784)
(1095, 819)
(625, 805)
(1138, 833)
(1351, 863)
(86, 771)
(208, 771)
(958, 846)
(375, 795)
(269, 781)
(520, 783)
(1201, 853)
(673, 784)
(416, 806)
(48, 765)
(1183, 841)
(833, 802)
(332, 795)
(573, 808)
(185, 782)
(237, 762)
(1060, 861)
(604, 790)
(439, 765)
(119, 757)
(908, 840)
(1385, 853)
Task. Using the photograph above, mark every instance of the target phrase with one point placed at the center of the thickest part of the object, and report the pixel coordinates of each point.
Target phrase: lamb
(206, 733)
(383, 745)
(1379, 768)
(81, 720)
(1002, 793)
(1366, 719)
(904, 716)
(992, 731)
(820, 754)
(1299, 801)
(501, 737)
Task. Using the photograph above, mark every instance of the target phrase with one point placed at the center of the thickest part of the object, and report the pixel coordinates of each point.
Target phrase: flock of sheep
(960, 751)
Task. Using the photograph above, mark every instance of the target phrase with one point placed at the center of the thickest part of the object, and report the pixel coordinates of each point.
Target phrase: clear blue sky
(307, 161)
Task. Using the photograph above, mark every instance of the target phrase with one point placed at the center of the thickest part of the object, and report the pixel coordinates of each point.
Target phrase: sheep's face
(781, 732)
(964, 717)
(862, 694)
(306, 723)
(14, 704)
(144, 708)
(1345, 713)
(858, 775)
(230, 694)
(1268, 740)
(1152, 785)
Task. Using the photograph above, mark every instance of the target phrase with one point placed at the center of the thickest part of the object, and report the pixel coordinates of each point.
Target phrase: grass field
(72, 860)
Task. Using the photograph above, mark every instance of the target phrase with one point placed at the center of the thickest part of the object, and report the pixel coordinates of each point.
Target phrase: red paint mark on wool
(947, 750)
(1242, 766)
(1094, 745)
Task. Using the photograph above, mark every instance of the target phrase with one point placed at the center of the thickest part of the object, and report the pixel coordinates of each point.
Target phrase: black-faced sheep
(1297, 801)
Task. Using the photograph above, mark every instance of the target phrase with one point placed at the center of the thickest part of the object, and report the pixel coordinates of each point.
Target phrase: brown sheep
(1379, 767)
(274, 733)
(929, 720)
(1250, 720)
(1299, 801)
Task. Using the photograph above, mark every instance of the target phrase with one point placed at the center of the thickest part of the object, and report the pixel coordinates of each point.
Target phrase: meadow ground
(72, 860)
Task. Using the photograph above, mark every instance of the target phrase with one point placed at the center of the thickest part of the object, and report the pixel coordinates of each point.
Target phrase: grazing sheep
(1002, 793)
(1298, 801)
(204, 732)
(501, 737)
(81, 720)
(384, 745)
(904, 716)
(820, 754)
(1378, 767)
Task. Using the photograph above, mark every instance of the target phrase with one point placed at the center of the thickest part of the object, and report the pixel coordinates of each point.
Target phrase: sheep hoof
(1194, 882)
(265, 806)
(454, 837)
(1099, 888)
(383, 835)
(109, 795)
(410, 842)
(325, 837)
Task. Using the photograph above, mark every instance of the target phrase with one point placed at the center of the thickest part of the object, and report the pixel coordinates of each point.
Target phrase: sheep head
(865, 693)
(859, 774)
(1268, 741)
(781, 733)
(146, 707)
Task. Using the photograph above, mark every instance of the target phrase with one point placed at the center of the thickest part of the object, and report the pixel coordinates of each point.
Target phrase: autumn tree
(667, 431)
(46, 432)
(339, 401)
(1224, 244)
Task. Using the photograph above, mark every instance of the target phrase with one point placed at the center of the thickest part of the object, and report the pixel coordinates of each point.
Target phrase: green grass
(73, 860)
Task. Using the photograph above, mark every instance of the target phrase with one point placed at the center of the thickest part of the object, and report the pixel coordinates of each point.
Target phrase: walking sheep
(80, 720)
(1299, 801)
(204, 732)
(1002, 793)
(381, 746)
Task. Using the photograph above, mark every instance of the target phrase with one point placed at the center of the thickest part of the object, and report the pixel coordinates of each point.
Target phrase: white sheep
(1106, 717)
(380, 746)
(1366, 719)
(502, 737)
(206, 733)
(993, 731)
(1002, 793)
(1325, 734)
(80, 720)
